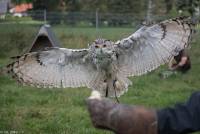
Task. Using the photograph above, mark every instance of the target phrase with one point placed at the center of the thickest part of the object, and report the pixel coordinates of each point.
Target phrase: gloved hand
(121, 119)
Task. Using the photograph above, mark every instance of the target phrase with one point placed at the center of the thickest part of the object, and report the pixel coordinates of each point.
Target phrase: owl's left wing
(151, 46)
(55, 67)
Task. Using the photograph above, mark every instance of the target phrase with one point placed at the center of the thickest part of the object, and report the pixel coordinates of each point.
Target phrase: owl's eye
(96, 46)
(104, 45)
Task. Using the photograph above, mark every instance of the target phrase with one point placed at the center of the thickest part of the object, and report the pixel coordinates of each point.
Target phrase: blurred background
(75, 23)
(96, 12)
(68, 19)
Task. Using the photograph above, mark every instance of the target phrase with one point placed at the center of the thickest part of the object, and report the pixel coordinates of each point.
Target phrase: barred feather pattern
(151, 46)
(105, 66)
(57, 67)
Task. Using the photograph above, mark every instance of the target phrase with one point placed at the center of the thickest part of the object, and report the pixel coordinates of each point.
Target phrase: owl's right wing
(56, 67)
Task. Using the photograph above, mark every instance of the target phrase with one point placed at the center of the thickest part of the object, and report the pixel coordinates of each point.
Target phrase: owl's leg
(110, 88)
(106, 88)
(114, 87)
(107, 91)
(113, 83)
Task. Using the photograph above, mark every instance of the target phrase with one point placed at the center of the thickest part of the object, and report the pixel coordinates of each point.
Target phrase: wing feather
(151, 46)
(57, 67)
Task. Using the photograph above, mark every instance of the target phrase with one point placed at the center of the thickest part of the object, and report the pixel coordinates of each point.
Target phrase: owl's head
(102, 46)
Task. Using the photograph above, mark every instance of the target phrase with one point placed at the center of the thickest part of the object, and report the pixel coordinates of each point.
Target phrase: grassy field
(62, 111)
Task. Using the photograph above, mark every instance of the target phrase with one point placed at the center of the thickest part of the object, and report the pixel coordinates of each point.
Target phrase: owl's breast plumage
(104, 61)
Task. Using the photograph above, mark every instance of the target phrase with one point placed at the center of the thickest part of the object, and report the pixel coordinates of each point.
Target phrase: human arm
(180, 64)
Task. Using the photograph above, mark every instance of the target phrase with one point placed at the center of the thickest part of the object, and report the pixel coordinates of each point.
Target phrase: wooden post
(97, 20)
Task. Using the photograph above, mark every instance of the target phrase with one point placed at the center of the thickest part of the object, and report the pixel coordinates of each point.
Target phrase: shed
(44, 38)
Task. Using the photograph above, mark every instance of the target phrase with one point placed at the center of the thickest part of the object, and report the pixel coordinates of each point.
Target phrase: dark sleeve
(182, 119)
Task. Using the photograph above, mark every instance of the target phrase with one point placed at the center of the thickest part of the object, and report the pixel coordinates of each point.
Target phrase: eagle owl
(105, 65)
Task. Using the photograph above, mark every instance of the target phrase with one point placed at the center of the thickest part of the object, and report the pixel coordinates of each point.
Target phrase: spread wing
(151, 46)
(57, 67)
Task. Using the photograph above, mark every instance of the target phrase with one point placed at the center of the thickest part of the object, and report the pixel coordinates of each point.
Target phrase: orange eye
(96, 46)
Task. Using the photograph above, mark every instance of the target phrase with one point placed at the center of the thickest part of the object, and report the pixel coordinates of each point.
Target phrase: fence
(84, 18)
(87, 19)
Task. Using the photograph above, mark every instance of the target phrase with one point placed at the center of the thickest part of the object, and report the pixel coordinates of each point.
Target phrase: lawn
(47, 111)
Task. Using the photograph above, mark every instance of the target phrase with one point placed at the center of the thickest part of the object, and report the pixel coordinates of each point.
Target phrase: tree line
(139, 7)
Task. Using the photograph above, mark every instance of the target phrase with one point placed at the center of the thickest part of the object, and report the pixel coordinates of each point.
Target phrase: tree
(49, 5)
(169, 5)
(188, 5)
(21, 1)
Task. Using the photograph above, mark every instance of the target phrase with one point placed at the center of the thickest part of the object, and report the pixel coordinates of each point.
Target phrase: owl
(105, 65)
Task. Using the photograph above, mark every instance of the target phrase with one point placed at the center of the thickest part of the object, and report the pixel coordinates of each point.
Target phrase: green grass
(31, 110)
